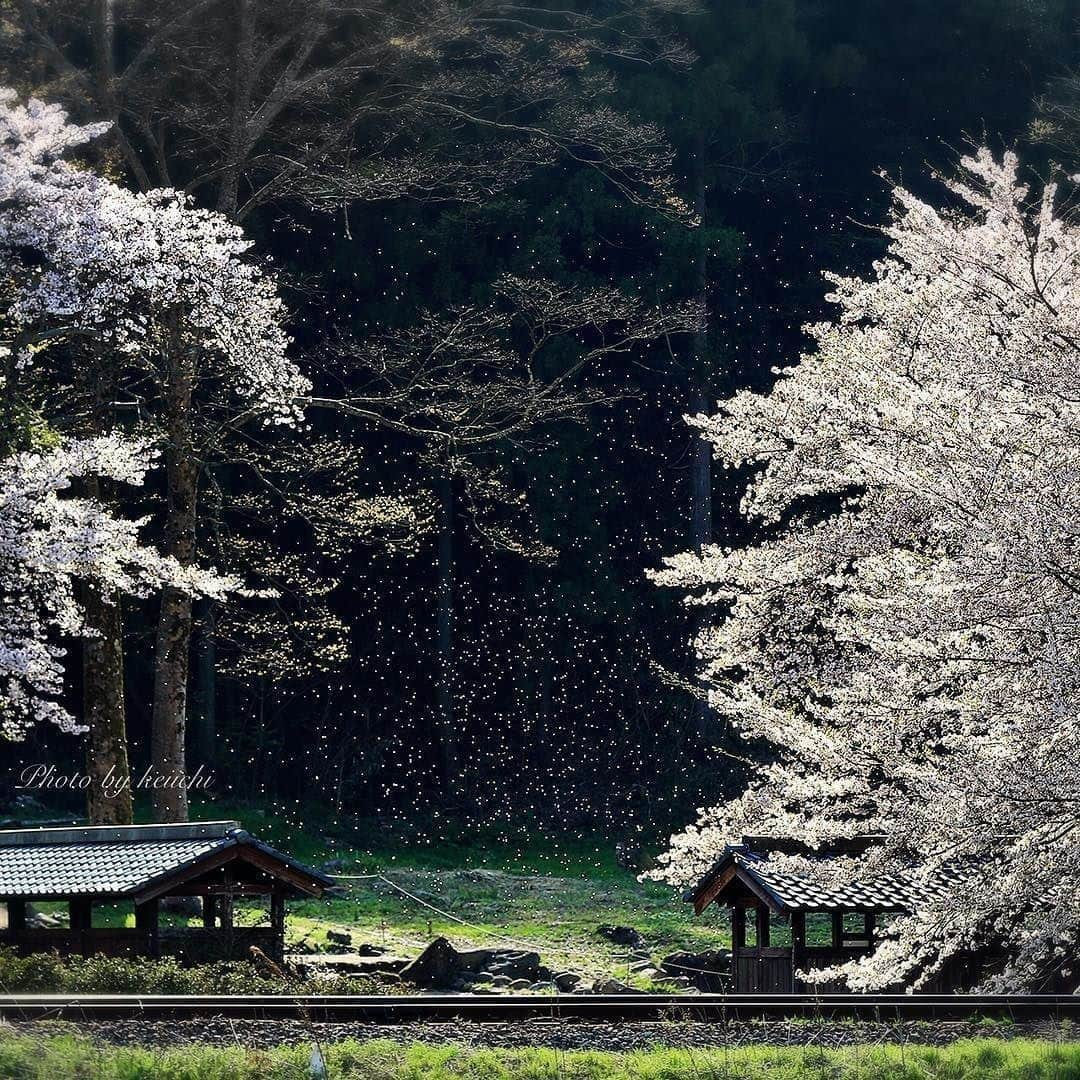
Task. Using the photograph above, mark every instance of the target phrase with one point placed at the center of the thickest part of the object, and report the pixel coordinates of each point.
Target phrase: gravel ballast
(554, 1034)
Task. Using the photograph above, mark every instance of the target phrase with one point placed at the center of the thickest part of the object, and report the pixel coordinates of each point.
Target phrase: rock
(341, 937)
(613, 986)
(709, 970)
(483, 977)
(40, 920)
(542, 987)
(501, 980)
(480, 875)
(369, 950)
(516, 965)
(483, 990)
(621, 935)
(567, 981)
(641, 965)
(520, 984)
(437, 968)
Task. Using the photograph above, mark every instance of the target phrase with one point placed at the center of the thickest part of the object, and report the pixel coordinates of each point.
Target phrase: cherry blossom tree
(51, 540)
(145, 301)
(902, 628)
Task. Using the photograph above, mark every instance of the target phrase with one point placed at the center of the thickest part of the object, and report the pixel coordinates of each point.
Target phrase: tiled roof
(791, 893)
(798, 894)
(115, 861)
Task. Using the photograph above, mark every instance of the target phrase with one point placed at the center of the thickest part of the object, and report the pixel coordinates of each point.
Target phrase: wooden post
(277, 913)
(763, 927)
(738, 928)
(209, 907)
(224, 910)
(80, 913)
(146, 919)
(277, 924)
(80, 918)
(870, 926)
(838, 929)
(798, 948)
(16, 916)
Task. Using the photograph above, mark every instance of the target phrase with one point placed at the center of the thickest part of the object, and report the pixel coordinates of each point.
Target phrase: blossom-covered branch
(905, 631)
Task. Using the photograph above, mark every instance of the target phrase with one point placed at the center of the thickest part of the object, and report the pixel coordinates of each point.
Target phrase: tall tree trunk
(108, 798)
(172, 655)
(701, 458)
(701, 402)
(444, 633)
(243, 62)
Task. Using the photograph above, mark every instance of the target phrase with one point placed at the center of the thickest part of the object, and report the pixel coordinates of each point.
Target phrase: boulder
(515, 963)
(520, 984)
(438, 967)
(622, 935)
(567, 981)
(369, 950)
(501, 980)
(341, 937)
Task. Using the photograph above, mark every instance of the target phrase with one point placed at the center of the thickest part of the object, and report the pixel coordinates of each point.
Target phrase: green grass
(547, 892)
(27, 1058)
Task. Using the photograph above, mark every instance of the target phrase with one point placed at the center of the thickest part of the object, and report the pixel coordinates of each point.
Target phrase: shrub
(49, 973)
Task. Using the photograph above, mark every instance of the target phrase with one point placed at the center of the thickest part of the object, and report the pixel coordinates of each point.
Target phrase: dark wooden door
(764, 971)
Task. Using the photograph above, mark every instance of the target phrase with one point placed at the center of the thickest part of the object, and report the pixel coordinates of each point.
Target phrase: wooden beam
(838, 929)
(275, 870)
(225, 912)
(277, 913)
(762, 927)
(209, 909)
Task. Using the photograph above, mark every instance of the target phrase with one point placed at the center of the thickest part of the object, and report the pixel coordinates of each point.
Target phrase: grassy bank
(25, 1058)
(476, 887)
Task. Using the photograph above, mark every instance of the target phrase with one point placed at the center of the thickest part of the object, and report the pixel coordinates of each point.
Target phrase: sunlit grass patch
(28, 1058)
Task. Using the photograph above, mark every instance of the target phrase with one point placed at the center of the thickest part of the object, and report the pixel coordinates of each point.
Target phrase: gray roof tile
(117, 860)
(102, 869)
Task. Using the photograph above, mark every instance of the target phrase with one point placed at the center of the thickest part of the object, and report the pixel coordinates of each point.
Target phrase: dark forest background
(511, 606)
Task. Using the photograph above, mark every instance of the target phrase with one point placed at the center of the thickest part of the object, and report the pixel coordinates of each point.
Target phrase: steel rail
(401, 1009)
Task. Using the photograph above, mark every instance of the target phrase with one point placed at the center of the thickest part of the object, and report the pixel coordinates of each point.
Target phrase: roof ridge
(118, 834)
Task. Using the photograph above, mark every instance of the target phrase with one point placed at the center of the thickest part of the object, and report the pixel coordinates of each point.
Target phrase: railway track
(450, 1008)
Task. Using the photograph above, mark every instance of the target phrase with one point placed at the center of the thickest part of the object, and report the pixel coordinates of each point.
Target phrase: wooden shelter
(216, 860)
(767, 905)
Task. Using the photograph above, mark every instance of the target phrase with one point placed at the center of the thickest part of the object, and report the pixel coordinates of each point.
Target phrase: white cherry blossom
(903, 631)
